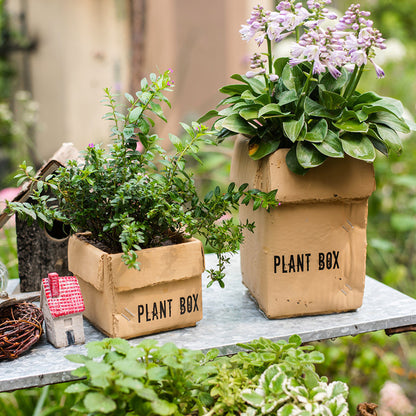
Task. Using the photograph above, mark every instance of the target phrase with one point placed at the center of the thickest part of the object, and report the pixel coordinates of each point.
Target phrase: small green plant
(309, 102)
(137, 196)
(268, 378)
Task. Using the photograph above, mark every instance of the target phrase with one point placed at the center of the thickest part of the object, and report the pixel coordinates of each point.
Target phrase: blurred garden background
(57, 56)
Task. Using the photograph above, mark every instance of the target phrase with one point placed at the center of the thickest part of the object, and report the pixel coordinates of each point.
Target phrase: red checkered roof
(69, 300)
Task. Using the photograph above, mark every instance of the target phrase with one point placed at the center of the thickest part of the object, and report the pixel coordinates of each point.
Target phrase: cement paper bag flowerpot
(308, 255)
(165, 294)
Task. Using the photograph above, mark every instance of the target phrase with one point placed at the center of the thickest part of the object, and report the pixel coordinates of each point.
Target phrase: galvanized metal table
(230, 317)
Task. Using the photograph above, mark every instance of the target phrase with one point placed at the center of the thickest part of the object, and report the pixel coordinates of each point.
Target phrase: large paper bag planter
(308, 255)
(165, 294)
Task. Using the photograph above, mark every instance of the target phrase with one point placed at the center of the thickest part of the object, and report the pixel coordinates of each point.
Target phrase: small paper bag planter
(308, 255)
(121, 302)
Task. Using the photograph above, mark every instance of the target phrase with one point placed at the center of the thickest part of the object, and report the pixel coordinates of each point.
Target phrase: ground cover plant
(266, 378)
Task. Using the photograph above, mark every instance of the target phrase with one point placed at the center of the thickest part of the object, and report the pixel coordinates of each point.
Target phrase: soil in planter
(157, 242)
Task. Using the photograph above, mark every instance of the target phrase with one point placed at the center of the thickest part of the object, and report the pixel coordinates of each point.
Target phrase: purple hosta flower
(256, 23)
(275, 25)
(360, 44)
(256, 66)
(252, 74)
(319, 12)
(379, 70)
(324, 49)
(273, 77)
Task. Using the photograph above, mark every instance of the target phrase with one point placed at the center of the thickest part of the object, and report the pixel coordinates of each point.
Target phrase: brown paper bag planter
(308, 255)
(165, 294)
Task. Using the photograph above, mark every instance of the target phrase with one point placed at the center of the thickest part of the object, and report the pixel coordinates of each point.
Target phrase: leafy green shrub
(268, 378)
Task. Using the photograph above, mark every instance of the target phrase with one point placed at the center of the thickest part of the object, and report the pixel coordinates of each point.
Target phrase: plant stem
(270, 63)
(355, 83)
(304, 91)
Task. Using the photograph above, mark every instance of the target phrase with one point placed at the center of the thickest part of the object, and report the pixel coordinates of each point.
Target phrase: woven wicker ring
(20, 329)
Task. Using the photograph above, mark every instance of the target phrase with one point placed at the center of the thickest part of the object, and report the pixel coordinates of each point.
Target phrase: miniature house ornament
(62, 305)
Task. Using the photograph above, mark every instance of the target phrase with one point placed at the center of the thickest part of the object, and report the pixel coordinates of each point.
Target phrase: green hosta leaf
(250, 112)
(237, 124)
(293, 78)
(97, 402)
(233, 89)
(259, 150)
(208, 116)
(334, 84)
(279, 65)
(377, 142)
(227, 111)
(366, 98)
(308, 156)
(361, 116)
(263, 99)
(271, 110)
(390, 120)
(229, 100)
(293, 128)
(331, 146)
(332, 100)
(353, 126)
(312, 108)
(358, 146)
(293, 163)
(248, 95)
(378, 103)
(389, 137)
(257, 85)
(287, 97)
(318, 132)
(403, 222)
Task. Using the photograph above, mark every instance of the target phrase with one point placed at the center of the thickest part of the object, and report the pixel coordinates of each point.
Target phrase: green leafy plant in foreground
(135, 195)
(147, 379)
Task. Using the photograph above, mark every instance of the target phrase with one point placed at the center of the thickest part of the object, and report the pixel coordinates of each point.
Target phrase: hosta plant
(148, 379)
(309, 101)
(135, 195)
